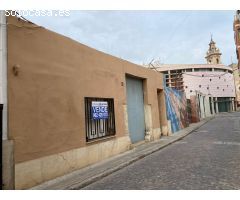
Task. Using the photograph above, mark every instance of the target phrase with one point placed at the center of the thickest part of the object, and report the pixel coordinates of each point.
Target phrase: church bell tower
(213, 55)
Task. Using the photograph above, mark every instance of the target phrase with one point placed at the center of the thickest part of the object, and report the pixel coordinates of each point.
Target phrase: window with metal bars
(99, 128)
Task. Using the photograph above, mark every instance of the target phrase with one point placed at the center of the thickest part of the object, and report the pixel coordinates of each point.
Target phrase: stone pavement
(207, 159)
(83, 177)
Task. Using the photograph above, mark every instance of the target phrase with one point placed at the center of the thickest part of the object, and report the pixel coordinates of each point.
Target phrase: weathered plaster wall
(194, 109)
(46, 100)
(34, 172)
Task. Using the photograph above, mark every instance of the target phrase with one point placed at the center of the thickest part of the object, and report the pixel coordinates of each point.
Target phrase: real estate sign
(99, 110)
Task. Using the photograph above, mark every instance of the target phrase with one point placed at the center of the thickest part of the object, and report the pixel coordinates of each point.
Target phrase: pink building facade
(215, 80)
(217, 84)
(214, 83)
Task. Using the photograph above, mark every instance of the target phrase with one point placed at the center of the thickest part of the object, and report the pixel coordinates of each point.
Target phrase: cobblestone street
(208, 158)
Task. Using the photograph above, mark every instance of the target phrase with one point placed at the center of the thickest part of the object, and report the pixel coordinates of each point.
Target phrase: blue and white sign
(99, 110)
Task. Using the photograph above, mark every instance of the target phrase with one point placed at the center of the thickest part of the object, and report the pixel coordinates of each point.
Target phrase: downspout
(7, 169)
(3, 71)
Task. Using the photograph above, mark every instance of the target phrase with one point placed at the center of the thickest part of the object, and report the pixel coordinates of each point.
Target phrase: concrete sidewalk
(83, 177)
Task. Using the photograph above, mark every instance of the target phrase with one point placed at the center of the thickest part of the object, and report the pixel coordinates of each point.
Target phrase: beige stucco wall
(34, 172)
(46, 100)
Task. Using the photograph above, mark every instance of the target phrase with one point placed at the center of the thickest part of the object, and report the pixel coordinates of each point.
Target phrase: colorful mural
(176, 108)
(195, 109)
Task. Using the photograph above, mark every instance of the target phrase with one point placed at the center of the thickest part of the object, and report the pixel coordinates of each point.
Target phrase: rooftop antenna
(151, 62)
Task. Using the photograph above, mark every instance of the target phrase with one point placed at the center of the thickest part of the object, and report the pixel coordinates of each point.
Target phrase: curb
(108, 172)
(90, 180)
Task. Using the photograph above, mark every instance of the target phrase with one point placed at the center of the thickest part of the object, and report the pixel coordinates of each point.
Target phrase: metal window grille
(99, 128)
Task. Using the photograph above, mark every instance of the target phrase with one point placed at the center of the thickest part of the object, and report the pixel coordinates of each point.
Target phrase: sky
(173, 37)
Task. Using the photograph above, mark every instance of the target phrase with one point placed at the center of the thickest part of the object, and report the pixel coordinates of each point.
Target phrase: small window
(200, 86)
(208, 88)
(186, 86)
(190, 90)
(202, 75)
(210, 79)
(217, 87)
(223, 89)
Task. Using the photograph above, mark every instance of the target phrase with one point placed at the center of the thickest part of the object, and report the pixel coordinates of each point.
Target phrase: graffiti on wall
(176, 104)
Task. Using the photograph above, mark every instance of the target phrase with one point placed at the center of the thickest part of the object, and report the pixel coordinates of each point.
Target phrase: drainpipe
(3, 86)
(3, 72)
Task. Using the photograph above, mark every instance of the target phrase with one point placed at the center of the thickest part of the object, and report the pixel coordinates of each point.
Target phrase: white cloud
(139, 36)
